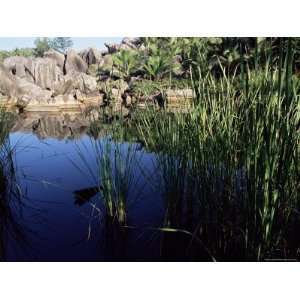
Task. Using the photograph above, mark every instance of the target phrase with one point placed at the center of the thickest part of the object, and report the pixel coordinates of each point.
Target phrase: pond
(54, 160)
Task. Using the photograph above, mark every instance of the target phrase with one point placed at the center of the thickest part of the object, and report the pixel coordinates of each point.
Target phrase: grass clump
(239, 149)
(10, 193)
(228, 167)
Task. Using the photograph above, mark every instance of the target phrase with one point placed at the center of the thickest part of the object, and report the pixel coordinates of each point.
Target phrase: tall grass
(114, 170)
(229, 167)
(9, 190)
(116, 175)
(239, 147)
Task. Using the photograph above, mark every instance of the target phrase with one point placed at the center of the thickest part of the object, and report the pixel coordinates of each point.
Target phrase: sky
(79, 42)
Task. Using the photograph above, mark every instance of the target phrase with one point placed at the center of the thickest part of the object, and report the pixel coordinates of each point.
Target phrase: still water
(54, 157)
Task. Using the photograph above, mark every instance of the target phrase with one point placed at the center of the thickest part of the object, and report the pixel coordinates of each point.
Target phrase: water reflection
(64, 210)
(86, 197)
(14, 232)
(44, 125)
(129, 205)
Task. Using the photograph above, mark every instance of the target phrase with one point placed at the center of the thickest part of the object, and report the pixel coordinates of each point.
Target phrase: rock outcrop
(46, 73)
(80, 85)
(19, 66)
(74, 78)
(126, 44)
(112, 48)
(21, 90)
(31, 92)
(132, 43)
(74, 63)
(8, 84)
(42, 71)
(91, 56)
(58, 57)
(53, 80)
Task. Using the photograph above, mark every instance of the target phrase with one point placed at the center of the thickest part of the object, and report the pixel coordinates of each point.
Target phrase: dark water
(48, 224)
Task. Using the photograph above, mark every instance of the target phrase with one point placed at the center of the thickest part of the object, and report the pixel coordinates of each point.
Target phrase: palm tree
(125, 61)
(158, 63)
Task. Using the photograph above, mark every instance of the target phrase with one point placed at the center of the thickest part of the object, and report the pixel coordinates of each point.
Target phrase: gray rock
(91, 56)
(46, 73)
(20, 90)
(112, 48)
(30, 92)
(8, 84)
(85, 83)
(42, 71)
(74, 63)
(58, 57)
(78, 82)
(20, 66)
(126, 44)
(51, 86)
(132, 43)
(65, 87)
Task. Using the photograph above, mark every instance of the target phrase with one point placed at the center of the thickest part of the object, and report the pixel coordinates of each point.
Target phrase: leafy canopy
(61, 44)
(41, 46)
(126, 61)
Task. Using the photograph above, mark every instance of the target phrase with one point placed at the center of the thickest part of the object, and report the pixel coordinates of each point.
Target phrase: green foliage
(116, 178)
(157, 61)
(5, 122)
(156, 66)
(126, 61)
(236, 153)
(147, 87)
(10, 194)
(26, 52)
(41, 46)
(4, 54)
(61, 44)
(228, 168)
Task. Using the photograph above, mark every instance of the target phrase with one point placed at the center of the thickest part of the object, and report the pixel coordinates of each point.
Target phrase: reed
(10, 193)
(240, 148)
(228, 167)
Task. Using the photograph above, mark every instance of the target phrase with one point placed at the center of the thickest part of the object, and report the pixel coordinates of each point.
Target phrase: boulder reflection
(70, 125)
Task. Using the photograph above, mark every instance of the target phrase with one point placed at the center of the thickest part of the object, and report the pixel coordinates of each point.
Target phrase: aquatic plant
(10, 193)
(228, 167)
(241, 143)
(113, 174)
(126, 62)
(116, 177)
